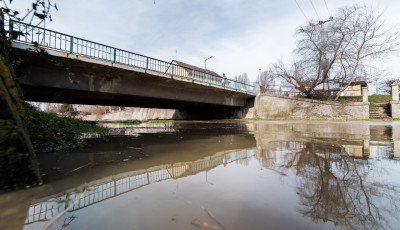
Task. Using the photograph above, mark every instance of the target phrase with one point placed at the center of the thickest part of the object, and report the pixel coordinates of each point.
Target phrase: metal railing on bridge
(43, 38)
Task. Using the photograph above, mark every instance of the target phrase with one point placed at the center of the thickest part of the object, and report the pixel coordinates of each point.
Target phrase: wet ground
(219, 175)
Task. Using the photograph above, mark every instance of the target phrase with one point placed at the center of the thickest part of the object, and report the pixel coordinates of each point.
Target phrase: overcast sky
(241, 35)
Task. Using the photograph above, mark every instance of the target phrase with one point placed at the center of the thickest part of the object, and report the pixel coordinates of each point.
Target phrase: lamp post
(259, 77)
(205, 62)
(376, 85)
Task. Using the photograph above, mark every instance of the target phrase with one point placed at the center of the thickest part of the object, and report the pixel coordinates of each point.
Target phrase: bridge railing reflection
(49, 39)
(116, 185)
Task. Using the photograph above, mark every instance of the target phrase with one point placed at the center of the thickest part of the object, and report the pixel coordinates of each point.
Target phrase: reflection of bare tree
(335, 187)
(67, 221)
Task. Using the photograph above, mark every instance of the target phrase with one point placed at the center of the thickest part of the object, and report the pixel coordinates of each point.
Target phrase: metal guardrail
(44, 38)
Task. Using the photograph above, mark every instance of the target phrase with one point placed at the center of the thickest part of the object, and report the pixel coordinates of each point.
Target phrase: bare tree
(367, 39)
(339, 48)
(267, 81)
(243, 78)
(386, 85)
(37, 12)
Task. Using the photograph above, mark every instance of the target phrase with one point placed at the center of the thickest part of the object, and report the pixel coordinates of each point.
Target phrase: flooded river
(219, 175)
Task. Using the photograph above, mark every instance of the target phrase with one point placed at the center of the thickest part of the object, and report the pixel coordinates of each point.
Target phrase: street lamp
(205, 62)
(259, 77)
(376, 85)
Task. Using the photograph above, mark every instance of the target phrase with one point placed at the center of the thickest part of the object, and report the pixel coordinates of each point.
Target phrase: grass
(380, 98)
(48, 132)
(158, 121)
(128, 122)
(340, 99)
(371, 99)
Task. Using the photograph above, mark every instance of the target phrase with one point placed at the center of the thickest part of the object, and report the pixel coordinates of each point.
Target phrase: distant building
(193, 72)
(354, 89)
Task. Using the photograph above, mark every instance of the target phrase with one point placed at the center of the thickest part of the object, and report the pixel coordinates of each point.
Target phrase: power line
(315, 9)
(327, 8)
(301, 10)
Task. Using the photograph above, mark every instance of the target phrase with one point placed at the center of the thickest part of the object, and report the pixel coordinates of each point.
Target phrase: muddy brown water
(219, 175)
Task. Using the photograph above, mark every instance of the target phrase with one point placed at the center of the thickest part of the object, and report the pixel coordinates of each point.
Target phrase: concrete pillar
(396, 141)
(395, 92)
(395, 104)
(366, 148)
(364, 92)
(258, 90)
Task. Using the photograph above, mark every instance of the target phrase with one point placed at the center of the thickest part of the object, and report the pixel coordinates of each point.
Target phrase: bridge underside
(79, 80)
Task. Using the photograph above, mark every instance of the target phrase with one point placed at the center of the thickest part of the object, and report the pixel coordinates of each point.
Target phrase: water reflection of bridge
(109, 187)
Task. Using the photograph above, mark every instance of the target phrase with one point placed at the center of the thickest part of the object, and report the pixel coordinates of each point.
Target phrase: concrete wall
(138, 114)
(282, 107)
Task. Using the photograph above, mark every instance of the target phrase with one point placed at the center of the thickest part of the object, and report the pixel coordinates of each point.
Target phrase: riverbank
(49, 132)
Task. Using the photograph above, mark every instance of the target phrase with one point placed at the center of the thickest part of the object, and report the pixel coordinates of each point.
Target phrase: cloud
(243, 36)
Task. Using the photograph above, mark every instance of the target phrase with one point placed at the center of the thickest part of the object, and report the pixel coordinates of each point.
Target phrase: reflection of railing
(126, 182)
(44, 38)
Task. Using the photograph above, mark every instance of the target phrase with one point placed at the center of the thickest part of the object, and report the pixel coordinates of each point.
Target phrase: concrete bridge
(57, 67)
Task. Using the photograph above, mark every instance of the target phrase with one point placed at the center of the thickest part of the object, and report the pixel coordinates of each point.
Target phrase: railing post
(71, 48)
(209, 78)
(193, 74)
(147, 63)
(11, 30)
(115, 55)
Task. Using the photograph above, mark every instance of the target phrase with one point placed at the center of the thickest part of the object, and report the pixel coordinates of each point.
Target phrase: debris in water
(125, 160)
(79, 167)
(204, 225)
(214, 219)
(279, 172)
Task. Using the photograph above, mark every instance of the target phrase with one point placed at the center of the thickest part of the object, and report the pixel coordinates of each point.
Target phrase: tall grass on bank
(158, 121)
(128, 122)
(48, 132)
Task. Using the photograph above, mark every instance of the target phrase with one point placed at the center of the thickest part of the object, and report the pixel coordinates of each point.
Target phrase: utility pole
(323, 47)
